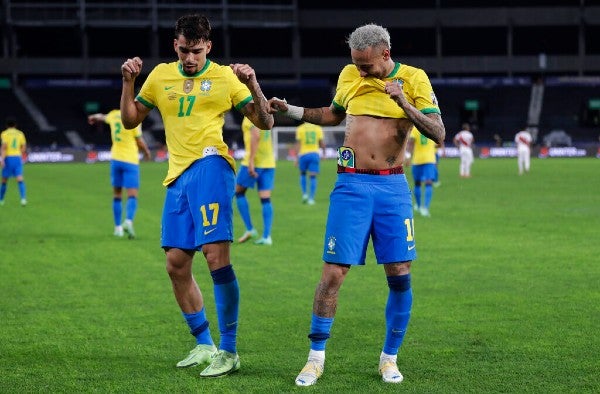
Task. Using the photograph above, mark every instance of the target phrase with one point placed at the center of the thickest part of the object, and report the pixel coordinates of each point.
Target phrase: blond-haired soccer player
(523, 140)
(422, 151)
(193, 94)
(381, 100)
(309, 139)
(14, 146)
(257, 168)
(124, 168)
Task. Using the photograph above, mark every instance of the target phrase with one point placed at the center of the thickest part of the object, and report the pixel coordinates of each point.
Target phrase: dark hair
(194, 27)
(11, 122)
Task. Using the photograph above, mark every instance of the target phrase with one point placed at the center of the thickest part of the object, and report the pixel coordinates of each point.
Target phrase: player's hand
(277, 105)
(252, 171)
(243, 72)
(394, 89)
(131, 68)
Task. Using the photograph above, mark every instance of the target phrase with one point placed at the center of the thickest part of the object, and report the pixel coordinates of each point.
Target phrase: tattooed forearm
(313, 115)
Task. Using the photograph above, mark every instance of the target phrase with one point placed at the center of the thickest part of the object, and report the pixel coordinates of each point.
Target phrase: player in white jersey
(464, 141)
(523, 141)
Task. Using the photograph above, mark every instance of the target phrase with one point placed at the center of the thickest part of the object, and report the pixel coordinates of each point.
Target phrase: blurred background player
(523, 140)
(309, 138)
(124, 167)
(422, 151)
(439, 152)
(14, 146)
(464, 141)
(257, 168)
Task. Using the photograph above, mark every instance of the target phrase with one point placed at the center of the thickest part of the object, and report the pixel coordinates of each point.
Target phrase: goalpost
(284, 138)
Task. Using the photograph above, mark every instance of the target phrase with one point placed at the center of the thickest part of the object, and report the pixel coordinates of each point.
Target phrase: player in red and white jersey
(464, 141)
(523, 140)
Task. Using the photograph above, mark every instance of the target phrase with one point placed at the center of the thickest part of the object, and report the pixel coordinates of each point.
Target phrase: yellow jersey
(193, 110)
(14, 139)
(309, 136)
(424, 148)
(358, 95)
(124, 146)
(264, 157)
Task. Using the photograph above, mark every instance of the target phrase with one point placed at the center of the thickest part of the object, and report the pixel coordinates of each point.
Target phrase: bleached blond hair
(370, 35)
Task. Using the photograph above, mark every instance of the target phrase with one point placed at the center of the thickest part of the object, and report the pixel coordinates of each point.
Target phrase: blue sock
(199, 327)
(2, 191)
(227, 298)
(22, 189)
(267, 213)
(131, 207)
(428, 194)
(313, 186)
(418, 194)
(117, 210)
(397, 312)
(320, 327)
(303, 183)
(242, 204)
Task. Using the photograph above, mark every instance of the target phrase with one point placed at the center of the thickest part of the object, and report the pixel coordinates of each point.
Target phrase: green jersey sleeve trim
(146, 103)
(431, 111)
(338, 108)
(243, 103)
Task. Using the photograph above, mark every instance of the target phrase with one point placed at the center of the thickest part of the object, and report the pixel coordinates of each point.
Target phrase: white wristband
(294, 112)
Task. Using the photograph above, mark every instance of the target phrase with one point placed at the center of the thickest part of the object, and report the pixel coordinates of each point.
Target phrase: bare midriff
(378, 143)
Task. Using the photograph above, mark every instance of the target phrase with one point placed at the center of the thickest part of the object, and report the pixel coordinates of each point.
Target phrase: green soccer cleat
(201, 354)
(310, 373)
(128, 229)
(389, 371)
(223, 363)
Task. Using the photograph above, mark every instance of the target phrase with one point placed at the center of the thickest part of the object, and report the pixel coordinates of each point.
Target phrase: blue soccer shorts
(123, 174)
(13, 167)
(264, 181)
(309, 162)
(198, 207)
(423, 172)
(364, 206)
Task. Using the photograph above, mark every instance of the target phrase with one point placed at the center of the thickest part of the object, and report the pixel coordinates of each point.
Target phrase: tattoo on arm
(313, 115)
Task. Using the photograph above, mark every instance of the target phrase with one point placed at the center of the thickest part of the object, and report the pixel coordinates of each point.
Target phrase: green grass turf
(506, 289)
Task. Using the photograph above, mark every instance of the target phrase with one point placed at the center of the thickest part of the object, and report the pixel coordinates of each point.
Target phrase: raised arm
(430, 125)
(258, 109)
(132, 112)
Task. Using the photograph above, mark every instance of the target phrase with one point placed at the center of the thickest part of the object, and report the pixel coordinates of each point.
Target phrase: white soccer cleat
(310, 373)
(425, 212)
(248, 235)
(389, 371)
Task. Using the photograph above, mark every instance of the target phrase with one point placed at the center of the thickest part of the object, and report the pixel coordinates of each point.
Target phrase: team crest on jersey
(205, 85)
(331, 245)
(188, 85)
(398, 81)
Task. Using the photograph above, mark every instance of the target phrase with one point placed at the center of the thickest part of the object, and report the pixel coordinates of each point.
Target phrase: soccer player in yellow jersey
(14, 146)
(124, 167)
(422, 151)
(193, 94)
(258, 168)
(309, 139)
(381, 100)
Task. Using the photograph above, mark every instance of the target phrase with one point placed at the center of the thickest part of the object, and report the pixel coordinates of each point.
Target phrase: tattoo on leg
(325, 303)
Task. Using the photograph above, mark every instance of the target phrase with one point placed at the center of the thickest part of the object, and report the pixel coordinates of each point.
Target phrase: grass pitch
(506, 289)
